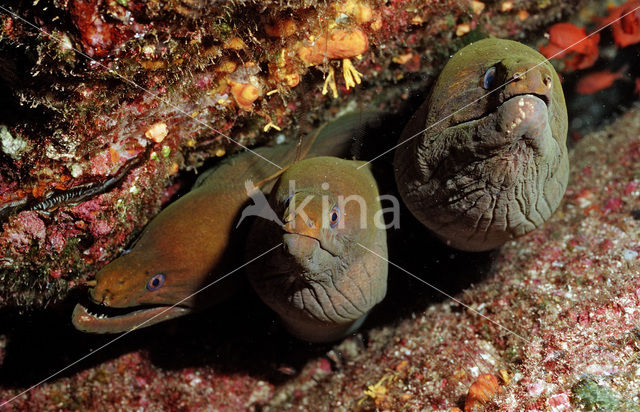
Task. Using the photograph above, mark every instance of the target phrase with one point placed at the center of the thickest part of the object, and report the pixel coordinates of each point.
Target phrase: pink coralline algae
(100, 34)
(31, 233)
(57, 236)
(559, 403)
(612, 204)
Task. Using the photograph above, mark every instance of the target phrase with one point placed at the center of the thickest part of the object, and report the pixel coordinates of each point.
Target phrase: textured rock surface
(175, 78)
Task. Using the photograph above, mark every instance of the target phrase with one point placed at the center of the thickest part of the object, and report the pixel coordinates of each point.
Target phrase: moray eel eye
(288, 200)
(155, 282)
(334, 217)
(489, 78)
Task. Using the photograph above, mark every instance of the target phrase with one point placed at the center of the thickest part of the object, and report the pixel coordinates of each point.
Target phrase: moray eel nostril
(480, 174)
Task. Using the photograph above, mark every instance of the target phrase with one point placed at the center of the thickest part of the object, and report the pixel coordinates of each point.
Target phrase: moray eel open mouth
(95, 318)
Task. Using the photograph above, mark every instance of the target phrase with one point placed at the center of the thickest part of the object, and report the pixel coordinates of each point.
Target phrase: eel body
(323, 282)
(484, 158)
(187, 245)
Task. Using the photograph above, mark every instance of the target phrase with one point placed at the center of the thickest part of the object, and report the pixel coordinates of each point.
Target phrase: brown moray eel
(486, 169)
(322, 283)
(184, 247)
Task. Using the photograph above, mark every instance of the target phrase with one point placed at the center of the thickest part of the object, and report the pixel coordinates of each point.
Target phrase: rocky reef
(549, 321)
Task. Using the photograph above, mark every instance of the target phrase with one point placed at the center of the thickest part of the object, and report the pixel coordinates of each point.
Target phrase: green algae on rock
(484, 159)
(590, 396)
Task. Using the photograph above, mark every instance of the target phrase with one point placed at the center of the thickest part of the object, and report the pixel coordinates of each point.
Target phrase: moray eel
(186, 246)
(323, 282)
(484, 158)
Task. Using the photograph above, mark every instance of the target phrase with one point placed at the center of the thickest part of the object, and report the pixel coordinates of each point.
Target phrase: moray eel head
(485, 157)
(132, 291)
(322, 283)
(485, 74)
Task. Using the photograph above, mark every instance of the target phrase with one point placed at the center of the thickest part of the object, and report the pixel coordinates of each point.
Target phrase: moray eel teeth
(85, 320)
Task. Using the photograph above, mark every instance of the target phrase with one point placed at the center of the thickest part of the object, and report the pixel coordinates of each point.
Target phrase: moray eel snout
(299, 245)
(523, 117)
(115, 290)
(321, 283)
(489, 161)
(306, 224)
(304, 251)
(112, 288)
(121, 303)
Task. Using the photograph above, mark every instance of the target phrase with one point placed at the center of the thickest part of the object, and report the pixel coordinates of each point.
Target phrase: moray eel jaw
(525, 118)
(521, 132)
(86, 321)
(121, 300)
(499, 187)
(304, 284)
